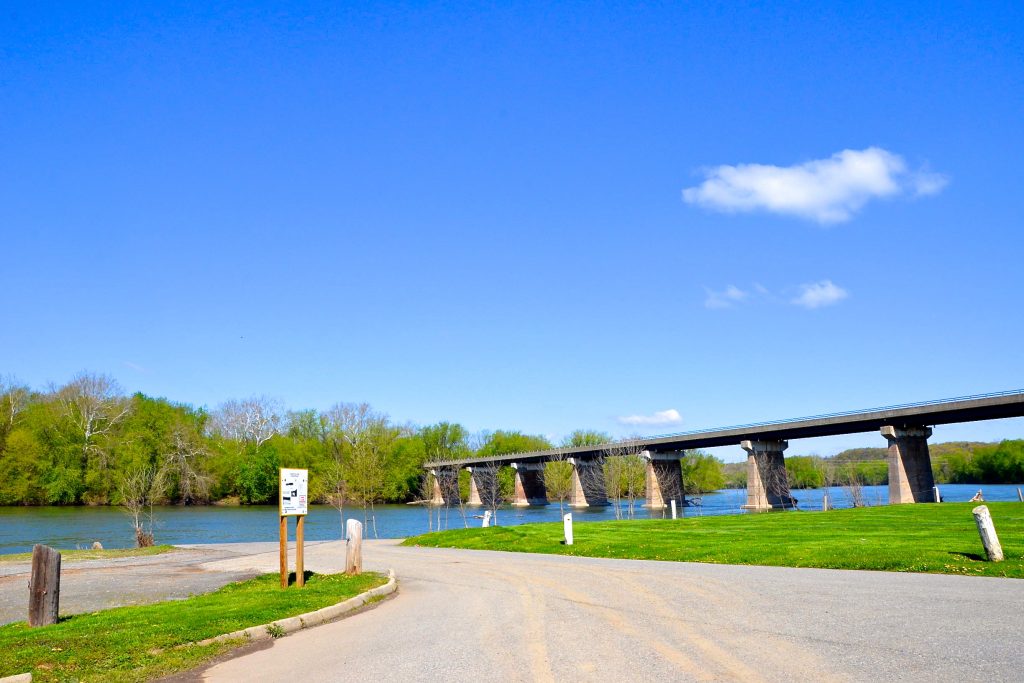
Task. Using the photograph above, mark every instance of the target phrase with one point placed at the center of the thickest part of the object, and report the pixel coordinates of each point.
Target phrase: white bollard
(1020, 495)
(987, 531)
(567, 524)
(673, 503)
(487, 518)
(938, 496)
(354, 547)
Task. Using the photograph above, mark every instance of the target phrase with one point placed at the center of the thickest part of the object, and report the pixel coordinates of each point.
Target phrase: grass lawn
(138, 643)
(88, 554)
(937, 538)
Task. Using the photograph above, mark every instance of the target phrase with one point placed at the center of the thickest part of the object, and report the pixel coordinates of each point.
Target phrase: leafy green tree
(702, 472)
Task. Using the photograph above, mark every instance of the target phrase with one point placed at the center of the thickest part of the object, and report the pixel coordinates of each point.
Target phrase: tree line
(960, 462)
(87, 442)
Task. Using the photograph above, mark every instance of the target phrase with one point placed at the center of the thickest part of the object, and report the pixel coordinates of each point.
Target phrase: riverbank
(78, 527)
(931, 538)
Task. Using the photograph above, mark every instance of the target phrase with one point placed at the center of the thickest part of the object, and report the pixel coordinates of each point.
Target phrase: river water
(72, 527)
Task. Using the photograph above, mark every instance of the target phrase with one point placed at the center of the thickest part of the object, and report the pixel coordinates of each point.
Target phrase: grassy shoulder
(142, 643)
(89, 554)
(929, 538)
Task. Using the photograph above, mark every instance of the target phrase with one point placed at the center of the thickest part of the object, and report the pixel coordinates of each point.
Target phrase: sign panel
(294, 489)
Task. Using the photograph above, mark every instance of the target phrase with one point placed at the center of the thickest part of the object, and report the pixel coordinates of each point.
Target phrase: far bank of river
(71, 527)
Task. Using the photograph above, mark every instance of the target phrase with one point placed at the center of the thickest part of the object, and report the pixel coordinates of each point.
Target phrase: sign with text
(294, 489)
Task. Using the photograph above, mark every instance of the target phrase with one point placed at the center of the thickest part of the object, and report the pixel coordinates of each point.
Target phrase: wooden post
(824, 501)
(567, 527)
(354, 547)
(487, 519)
(938, 496)
(284, 551)
(300, 564)
(673, 504)
(987, 531)
(44, 586)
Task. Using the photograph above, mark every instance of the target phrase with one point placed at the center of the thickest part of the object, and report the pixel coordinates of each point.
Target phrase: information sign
(294, 489)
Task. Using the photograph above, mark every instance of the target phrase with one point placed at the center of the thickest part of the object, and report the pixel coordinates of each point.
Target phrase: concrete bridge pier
(664, 479)
(446, 486)
(588, 487)
(474, 490)
(767, 483)
(529, 484)
(910, 465)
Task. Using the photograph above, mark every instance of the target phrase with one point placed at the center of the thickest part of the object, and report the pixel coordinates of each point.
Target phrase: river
(78, 527)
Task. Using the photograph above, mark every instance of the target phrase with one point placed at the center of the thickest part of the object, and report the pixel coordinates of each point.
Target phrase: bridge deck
(948, 411)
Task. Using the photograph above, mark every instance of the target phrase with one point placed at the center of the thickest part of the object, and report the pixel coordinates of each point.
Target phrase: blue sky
(539, 217)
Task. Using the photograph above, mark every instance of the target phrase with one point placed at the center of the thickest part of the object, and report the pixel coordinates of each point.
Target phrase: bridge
(906, 429)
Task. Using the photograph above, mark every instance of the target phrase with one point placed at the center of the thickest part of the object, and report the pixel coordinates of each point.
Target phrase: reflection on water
(60, 527)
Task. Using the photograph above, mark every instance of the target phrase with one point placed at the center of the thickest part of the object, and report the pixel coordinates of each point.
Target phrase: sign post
(294, 489)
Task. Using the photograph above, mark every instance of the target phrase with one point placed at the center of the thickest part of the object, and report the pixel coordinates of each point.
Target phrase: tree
(702, 472)
(93, 404)
(140, 489)
(183, 464)
(625, 473)
(14, 399)
(558, 479)
(250, 422)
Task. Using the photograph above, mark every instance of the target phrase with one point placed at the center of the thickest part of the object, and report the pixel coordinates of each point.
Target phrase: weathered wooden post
(672, 503)
(987, 531)
(44, 586)
(300, 553)
(354, 547)
(824, 501)
(567, 527)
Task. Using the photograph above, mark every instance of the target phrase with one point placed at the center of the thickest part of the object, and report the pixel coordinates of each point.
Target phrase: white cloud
(727, 298)
(818, 294)
(823, 190)
(660, 418)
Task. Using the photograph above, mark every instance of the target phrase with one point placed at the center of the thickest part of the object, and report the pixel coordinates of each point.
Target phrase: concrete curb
(290, 625)
(17, 678)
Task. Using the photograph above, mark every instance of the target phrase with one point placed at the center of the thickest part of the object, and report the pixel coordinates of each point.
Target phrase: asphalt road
(471, 616)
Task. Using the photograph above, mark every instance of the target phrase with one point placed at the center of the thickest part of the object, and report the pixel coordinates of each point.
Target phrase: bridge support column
(910, 465)
(529, 484)
(767, 483)
(474, 490)
(664, 479)
(446, 486)
(588, 488)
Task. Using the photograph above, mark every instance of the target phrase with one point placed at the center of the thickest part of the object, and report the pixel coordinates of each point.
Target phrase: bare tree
(184, 463)
(624, 471)
(558, 479)
(14, 399)
(371, 442)
(250, 422)
(93, 404)
(140, 489)
(853, 485)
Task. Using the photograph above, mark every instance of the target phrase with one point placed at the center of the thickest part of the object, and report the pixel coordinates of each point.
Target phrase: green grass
(907, 538)
(141, 643)
(89, 554)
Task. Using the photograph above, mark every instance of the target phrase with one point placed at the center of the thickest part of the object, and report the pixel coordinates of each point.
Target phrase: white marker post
(673, 503)
(487, 518)
(354, 547)
(293, 486)
(567, 524)
(987, 531)
(938, 496)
